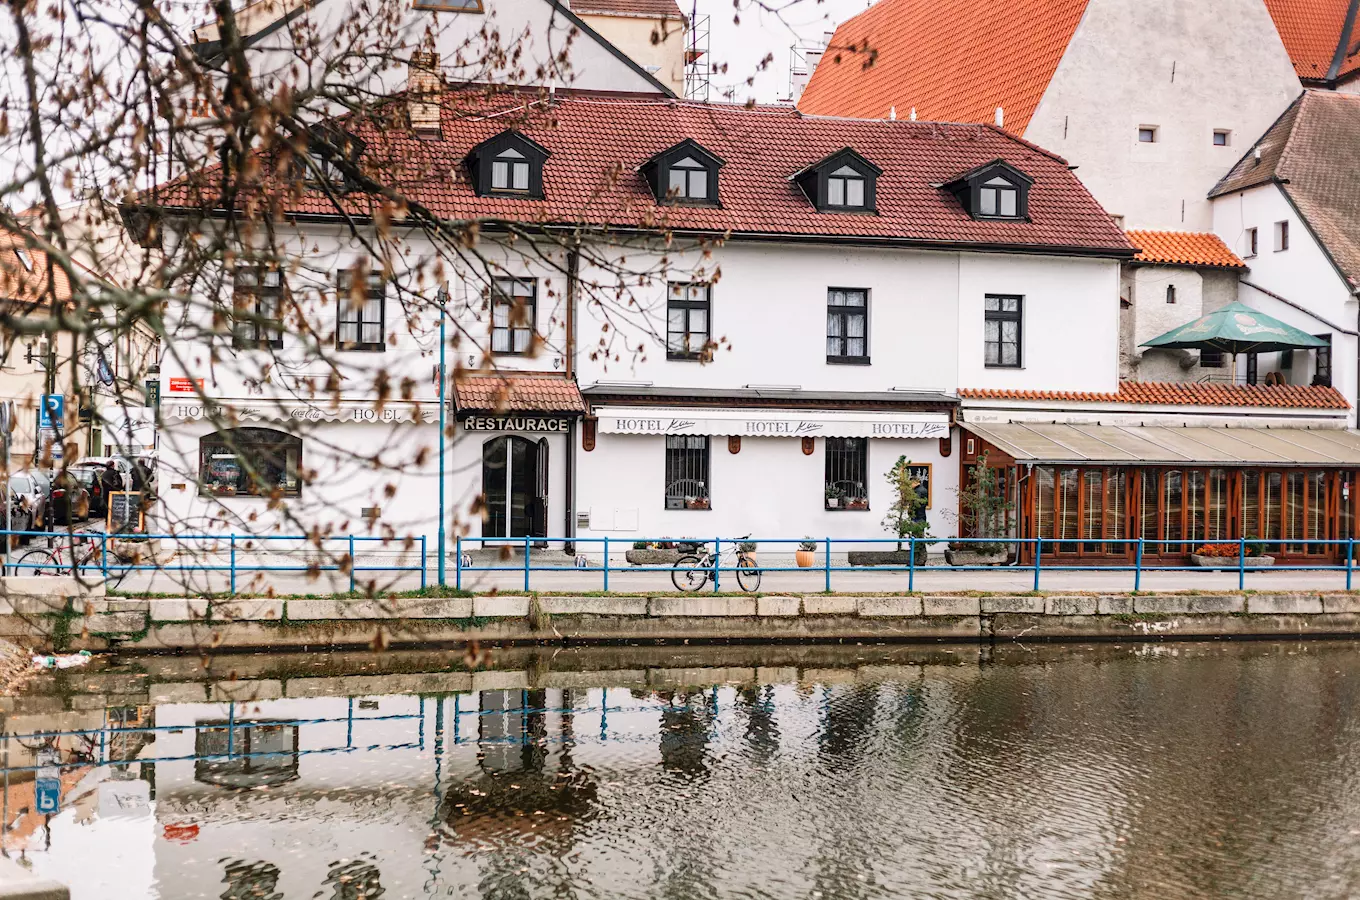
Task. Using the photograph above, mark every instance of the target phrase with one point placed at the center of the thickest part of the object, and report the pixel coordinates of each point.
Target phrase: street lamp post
(442, 298)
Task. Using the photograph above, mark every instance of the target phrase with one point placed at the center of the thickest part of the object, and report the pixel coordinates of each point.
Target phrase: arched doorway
(515, 484)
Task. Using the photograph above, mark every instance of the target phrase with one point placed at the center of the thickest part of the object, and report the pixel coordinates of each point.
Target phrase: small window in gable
(996, 190)
(684, 174)
(842, 182)
(507, 165)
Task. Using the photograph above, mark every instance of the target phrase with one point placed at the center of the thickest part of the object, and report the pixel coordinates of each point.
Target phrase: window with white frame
(999, 197)
(512, 315)
(688, 320)
(510, 171)
(1251, 242)
(845, 189)
(1281, 235)
(361, 314)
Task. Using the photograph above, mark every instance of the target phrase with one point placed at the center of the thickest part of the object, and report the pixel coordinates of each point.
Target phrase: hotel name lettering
(775, 428)
(515, 423)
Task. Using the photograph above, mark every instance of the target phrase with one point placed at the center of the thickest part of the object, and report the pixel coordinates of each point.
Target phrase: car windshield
(85, 476)
(20, 484)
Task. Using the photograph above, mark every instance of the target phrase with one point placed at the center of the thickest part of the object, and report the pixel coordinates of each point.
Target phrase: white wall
(1302, 275)
(1070, 321)
(1230, 71)
(770, 489)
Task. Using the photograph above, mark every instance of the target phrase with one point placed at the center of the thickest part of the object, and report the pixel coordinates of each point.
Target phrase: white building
(764, 312)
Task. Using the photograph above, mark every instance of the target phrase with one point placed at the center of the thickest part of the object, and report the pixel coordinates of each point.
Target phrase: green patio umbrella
(1236, 328)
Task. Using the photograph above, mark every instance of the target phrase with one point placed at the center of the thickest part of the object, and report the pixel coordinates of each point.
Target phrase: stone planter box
(886, 557)
(977, 557)
(1230, 562)
(652, 557)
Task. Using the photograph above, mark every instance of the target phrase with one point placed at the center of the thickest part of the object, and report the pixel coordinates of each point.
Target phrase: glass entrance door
(514, 484)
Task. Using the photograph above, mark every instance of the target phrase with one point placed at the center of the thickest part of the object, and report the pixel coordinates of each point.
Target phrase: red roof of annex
(1156, 393)
(1183, 248)
(597, 144)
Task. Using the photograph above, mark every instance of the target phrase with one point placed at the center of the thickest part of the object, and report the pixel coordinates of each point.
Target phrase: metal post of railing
(911, 563)
(233, 565)
(351, 563)
(717, 562)
(826, 565)
(1138, 566)
(458, 561)
(606, 563)
(1350, 560)
(231, 729)
(103, 553)
(422, 562)
(526, 564)
(1038, 554)
(1241, 563)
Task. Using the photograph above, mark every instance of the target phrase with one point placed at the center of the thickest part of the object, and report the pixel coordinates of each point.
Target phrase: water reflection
(1130, 772)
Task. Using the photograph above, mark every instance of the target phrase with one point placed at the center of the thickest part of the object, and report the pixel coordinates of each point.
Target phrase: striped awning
(1219, 446)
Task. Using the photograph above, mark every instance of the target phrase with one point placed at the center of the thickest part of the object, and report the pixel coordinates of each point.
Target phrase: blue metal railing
(1139, 556)
(76, 555)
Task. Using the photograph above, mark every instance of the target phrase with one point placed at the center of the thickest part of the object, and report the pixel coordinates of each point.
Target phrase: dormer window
(998, 197)
(507, 165)
(326, 149)
(687, 180)
(510, 171)
(684, 174)
(996, 190)
(842, 182)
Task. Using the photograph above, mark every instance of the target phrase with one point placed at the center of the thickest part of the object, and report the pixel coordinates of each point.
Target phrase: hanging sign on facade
(516, 423)
(772, 423)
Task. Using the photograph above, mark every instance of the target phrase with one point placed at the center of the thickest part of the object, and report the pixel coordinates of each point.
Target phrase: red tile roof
(1312, 30)
(1183, 248)
(597, 144)
(1152, 393)
(29, 284)
(647, 9)
(953, 60)
(1310, 153)
(512, 392)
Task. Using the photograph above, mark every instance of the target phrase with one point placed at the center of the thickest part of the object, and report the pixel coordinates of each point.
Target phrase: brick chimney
(423, 87)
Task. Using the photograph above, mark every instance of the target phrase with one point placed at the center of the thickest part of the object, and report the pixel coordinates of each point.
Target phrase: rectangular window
(1170, 293)
(847, 468)
(1251, 368)
(1322, 357)
(257, 308)
(687, 471)
(688, 325)
(360, 317)
(1281, 236)
(1251, 242)
(1286, 360)
(847, 325)
(450, 5)
(512, 314)
(1211, 359)
(1221, 137)
(1147, 134)
(1002, 331)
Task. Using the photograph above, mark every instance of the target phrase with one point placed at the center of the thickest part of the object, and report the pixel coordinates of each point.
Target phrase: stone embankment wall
(69, 620)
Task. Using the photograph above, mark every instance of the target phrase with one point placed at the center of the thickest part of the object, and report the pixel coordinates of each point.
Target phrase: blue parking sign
(48, 794)
(52, 412)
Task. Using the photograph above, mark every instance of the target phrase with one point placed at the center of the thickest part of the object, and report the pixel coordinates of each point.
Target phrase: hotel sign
(772, 423)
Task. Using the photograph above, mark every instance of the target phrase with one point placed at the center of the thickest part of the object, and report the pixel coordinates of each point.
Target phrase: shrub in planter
(806, 554)
(982, 514)
(746, 550)
(1226, 556)
(906, 515)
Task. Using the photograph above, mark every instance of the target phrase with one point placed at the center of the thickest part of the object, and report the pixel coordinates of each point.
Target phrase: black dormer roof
(967, 188)
(480, 157)
(813, 179)
(657, 169)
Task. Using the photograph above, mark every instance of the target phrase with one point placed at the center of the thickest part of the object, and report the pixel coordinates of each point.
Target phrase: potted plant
(833, 497)
(696, 503)
(856, 502)
(806, 554)
(1250, 553)
(905, 519)
(652, 553)
(983, 506)
(746, 550)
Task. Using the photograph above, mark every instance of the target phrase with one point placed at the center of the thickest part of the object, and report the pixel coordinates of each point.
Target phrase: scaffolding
(698, 67)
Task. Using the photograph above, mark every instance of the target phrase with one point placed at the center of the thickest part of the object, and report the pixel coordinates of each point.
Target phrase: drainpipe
(573, 288)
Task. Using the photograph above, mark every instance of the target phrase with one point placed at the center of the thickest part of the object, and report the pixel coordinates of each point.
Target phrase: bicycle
(80, 552)
(696, 566)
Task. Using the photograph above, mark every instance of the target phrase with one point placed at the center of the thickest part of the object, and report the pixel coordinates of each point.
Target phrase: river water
(1111, 771)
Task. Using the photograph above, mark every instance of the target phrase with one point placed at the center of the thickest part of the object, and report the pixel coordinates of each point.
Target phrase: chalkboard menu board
(125, 512)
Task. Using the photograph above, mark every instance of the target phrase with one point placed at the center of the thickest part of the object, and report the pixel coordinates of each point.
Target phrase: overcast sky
(742, 46)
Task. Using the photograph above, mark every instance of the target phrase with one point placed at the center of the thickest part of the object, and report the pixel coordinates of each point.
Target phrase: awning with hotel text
(771, 422)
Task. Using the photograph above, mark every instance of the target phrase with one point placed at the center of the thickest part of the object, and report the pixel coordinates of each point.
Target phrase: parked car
(69, 500)
(28, 490)
(123, 464)
(98, 484)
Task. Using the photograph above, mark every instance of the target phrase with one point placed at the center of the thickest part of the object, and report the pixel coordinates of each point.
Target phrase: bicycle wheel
(748, 576)
(689, 574)
(39, 562)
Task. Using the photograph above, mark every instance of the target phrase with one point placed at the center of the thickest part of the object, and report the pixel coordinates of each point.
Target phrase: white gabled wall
(1186, 68)
(1302, 274)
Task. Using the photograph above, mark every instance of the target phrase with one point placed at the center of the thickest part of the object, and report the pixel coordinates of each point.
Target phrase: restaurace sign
(515, 423)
